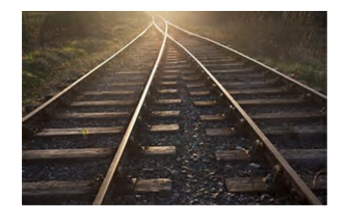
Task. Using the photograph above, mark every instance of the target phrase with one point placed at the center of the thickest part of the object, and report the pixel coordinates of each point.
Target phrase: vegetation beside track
(60, 46)
(292, 42)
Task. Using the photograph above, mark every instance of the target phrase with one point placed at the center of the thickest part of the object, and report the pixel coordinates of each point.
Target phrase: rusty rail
(117, 157)
(53, 99)
(295, 178)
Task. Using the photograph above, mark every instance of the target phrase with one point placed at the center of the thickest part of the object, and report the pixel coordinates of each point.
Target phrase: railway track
(205, 125)
(70, 140)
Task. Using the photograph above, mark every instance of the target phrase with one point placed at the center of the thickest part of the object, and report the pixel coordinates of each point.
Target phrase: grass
(312, 74)
(47, 66)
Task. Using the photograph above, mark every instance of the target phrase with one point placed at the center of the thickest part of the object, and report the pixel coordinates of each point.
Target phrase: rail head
(79, 80)
(297, 181)
(286, 77)
(120, 151)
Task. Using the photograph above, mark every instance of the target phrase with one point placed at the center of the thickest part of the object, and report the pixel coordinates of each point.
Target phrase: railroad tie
(168, 113)
(209, 118)
(200, 93)
(191, 78)
(168, 83)
(167, 91)
(288, 116)
(56, 188)
(295, 130)
(105, 92)
(158, 150)
(169, 77)
(311, 157)
(63, 154)
(152, 185)
(219, 131)
(257, 91)
(92, 115)
(195, 85)
(168, 101)
(102, 103)
(232, 71)
(270, 102)
(83, 131)
(204, 103)
(164, 128)
(258, 184)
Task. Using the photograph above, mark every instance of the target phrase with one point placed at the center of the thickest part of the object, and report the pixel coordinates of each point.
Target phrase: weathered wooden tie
(170, 113)
(195, 85)
(56, 188)
(257, 91)
(153, 185)
(270, 102)
(83, 131)
(58, 154)
(168, 101)
(158, 150)
(164, 128)
(300, 156)
(199, 93)
(257, 184)
(295, 130)
(167, 91)
(202, 103)
(102, 93)
(288, 116)
(94, 115)
(103, 103)
(208, 118)
(219, 131)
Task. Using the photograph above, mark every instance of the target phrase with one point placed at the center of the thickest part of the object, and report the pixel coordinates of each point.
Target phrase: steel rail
(304, 86)
(297, 181)
(78, 81)
(117, 157)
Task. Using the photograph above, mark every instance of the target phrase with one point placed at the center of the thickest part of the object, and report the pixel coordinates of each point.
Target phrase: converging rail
(120, 152)
(263, 142)
(52, 133)
(309, 89)
(177, 118)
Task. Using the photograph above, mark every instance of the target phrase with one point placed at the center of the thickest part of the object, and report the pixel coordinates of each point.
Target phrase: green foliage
(312, 74)
(59, 45)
